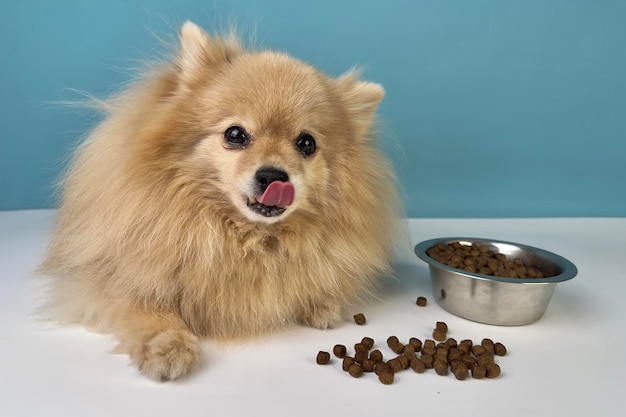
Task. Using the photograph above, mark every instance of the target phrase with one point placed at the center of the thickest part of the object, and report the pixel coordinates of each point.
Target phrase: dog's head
(273, 131)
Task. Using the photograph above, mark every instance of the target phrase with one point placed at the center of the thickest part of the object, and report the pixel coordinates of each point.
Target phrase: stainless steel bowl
(495, 300)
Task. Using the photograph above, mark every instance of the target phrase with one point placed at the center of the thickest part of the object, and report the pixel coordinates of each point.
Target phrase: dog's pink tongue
(278, 193)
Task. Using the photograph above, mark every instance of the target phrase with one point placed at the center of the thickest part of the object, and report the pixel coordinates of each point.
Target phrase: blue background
(494, 108)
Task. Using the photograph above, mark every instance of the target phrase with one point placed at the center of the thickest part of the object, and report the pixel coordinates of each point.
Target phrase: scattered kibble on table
(445, 356)
(359, 319)
(323, 357)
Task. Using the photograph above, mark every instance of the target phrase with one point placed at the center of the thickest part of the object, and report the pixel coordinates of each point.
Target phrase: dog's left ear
(199, 52)
(361, 99)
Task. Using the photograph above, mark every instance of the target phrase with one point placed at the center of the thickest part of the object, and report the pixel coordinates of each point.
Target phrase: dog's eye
(306, 144)
(237, 137)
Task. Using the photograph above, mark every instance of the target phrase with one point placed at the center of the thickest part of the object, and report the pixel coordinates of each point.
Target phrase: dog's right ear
(361, 100)
(199, 52)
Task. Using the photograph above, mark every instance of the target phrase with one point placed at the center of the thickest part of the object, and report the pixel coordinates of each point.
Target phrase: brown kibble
(404, 361)
(416, 343)
(359, 319)
(478, 350)
(347, 362)
(376, 355)
(467, 342)
(488, 345)
(439, 335)
(508, 273)
(468, 360)
(355, 370)
(456, 363)
(493, 370)
(428, 347)
(382, 367)
(441, 346)
(479, 371)
(441, 247)
(460, 373)
(360, 356)
(395, 364)
(360, 347)
(451, 342)
(454, 354)
(441, 357)
(428, 351)
(409, 350)
(392, 341)
(339, 351)
(484, 359)
(397, 348)
(441, 325)
(386, 378)
(410, 356)
(499, 349)
(421, 301)
(368, 342)
(465, 346)
(441, 368)
(494, 265)
(428, 360)
(417, 365)
(322, 357)
(441, 354)
(368, 365)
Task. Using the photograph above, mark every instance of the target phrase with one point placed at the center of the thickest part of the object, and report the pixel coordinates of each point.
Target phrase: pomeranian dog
(226, 193)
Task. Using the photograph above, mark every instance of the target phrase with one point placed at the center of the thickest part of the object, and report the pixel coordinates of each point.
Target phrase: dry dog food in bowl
(492, 281)
(484, 260)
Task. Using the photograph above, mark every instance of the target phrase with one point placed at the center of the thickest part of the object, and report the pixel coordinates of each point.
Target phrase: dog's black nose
(266, 176)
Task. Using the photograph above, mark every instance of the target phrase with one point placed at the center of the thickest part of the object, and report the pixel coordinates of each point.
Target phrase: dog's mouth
(265, 210)
(274, 199)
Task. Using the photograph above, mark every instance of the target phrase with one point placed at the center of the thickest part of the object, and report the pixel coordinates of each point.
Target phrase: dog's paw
(170, 354)
(323, 317)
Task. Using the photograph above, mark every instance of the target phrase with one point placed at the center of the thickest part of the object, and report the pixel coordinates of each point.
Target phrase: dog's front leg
(159, 343)
(322, 314)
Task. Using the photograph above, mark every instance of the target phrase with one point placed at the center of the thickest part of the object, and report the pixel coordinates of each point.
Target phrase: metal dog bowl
(496, 300)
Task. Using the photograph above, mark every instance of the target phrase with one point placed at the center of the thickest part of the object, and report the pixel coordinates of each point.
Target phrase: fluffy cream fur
(154, 242)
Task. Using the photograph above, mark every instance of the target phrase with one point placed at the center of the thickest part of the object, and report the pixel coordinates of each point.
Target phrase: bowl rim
(569, 269)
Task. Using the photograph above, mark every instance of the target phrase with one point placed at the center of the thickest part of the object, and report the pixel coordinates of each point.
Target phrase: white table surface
(569, 363)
